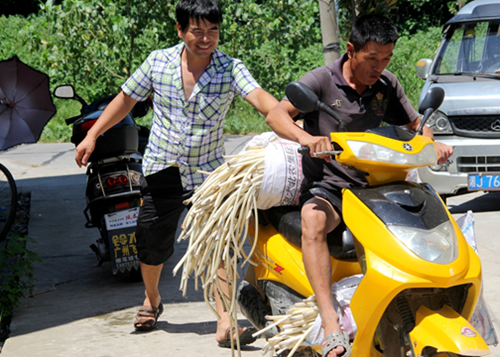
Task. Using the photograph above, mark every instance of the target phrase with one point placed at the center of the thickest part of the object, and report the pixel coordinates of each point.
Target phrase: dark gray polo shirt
(383, 101)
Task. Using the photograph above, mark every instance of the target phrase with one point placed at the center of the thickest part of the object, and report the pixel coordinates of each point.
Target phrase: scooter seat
(286, 220)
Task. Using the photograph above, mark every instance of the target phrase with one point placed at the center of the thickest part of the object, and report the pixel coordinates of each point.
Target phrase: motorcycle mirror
(306, 101)
(432, 100)
(68, 92)
(65, 92)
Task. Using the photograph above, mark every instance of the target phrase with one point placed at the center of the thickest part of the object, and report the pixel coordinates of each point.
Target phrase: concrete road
(78, 309)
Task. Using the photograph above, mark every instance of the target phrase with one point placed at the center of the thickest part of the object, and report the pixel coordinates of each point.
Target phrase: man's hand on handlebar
(317, 144)
(444, 152)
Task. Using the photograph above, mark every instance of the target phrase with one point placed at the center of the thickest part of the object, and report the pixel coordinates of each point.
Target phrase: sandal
(147, 317)
(246, 337)
(334, 340)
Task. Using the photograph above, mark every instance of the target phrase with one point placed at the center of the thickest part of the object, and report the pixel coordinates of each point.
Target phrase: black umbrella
(25, 103)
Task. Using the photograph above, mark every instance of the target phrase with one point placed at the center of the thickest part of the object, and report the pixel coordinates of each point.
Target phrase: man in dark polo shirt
(364, 94)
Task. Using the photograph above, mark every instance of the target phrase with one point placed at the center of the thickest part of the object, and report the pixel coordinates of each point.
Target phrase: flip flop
(246, 337)
(336, 339)
(147, 317)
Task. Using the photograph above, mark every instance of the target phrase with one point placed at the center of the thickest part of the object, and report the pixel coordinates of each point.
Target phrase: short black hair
(208, 10)
(376, 28)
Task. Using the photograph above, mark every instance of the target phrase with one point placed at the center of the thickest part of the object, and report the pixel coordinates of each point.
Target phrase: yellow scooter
(421, 279)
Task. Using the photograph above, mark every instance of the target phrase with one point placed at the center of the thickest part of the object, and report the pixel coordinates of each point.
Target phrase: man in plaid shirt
(193, 85)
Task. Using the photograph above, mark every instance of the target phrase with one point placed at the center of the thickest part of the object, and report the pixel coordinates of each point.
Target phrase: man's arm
(444, 151)
(280, 120)
(119, 107)
(261, 100)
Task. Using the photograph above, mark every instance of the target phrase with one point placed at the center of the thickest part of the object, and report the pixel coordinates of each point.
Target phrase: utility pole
(329, 30)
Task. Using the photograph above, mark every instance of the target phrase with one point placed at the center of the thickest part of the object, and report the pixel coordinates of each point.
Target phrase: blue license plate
(487, 181)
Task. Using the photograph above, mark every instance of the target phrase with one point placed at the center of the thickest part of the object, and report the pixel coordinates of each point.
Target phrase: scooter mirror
(306, 101)
(302, 98)
(66, 92)
(432, 100)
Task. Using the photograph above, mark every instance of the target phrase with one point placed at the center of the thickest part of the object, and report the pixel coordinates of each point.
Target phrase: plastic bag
(342, 292)
(481, 319)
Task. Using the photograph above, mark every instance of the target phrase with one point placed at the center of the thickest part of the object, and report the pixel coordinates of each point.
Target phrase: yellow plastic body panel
(447, 331)
(281, 261)
(392, 268)
(379, 172)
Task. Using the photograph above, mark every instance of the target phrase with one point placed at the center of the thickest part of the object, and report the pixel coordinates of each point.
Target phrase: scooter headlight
(438, 245)
(373, 152)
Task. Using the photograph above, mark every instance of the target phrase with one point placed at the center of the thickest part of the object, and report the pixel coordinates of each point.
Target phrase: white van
(467, 67)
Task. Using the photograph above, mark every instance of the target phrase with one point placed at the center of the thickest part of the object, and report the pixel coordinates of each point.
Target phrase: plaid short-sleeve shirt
(187, 131)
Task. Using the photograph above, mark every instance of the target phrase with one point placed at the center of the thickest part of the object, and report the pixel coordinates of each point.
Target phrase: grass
(243, 119)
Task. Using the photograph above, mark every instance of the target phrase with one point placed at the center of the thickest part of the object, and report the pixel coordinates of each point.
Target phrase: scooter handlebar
(304, 150)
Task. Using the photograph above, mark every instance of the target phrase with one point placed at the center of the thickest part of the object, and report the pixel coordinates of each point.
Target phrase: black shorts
(332, 194)
(159, 215)
(324, 190)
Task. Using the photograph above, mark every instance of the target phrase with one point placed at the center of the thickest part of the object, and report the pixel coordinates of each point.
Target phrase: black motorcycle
(113, 180)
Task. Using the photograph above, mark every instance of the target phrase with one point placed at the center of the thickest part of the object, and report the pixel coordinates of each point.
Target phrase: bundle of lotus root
(294, 328)
(216, 226)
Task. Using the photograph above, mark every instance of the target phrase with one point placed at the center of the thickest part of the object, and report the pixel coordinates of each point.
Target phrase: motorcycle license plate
(487, 181)
(121, 238)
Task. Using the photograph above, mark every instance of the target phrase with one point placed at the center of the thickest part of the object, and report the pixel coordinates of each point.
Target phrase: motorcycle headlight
(374, 152)
(439, 123)
(438, 245)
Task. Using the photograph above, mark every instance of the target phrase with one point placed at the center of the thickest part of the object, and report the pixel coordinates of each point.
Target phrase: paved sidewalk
(79, 309)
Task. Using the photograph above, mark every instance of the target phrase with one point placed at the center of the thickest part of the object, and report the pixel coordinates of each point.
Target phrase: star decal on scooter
(407, 147)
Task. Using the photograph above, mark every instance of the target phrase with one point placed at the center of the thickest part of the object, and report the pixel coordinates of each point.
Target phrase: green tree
(96, 44)
(277, 39)
(107, 39)
(100, 42)
(409, 15)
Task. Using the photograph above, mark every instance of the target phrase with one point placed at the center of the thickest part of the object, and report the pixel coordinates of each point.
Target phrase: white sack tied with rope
(283, 176)
(266, 173)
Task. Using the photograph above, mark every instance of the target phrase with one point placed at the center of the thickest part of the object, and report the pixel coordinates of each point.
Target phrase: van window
(470, 48)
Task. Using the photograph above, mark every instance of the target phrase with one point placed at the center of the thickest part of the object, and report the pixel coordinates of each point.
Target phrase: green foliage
(418, 15)
(96, 44)
(57, 130)
(16, 267)
(410, 16)
(455, 6)
(407, 52)
(243, 119)
(274, 38)
(350, 9)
